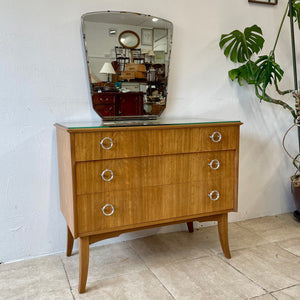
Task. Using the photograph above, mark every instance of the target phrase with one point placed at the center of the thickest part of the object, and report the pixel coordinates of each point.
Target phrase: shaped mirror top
(128, 59)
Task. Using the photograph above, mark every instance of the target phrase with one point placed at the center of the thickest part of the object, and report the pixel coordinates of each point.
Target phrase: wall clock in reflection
(127, 80)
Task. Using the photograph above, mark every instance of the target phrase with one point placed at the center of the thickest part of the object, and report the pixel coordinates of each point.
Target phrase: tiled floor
(265, 265)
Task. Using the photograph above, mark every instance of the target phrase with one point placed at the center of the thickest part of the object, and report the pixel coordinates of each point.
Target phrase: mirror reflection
(160, 39)
(129, 39)
(128, 59)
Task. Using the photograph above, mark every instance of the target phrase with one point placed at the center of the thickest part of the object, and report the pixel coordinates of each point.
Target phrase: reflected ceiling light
(154, 19)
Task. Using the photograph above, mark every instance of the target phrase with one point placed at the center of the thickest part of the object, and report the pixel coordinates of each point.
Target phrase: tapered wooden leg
(70, 242)
(83, 262)
(190, 226)
(223, 234)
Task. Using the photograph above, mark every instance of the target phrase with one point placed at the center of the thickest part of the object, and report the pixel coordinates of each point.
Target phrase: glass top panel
(160, 121)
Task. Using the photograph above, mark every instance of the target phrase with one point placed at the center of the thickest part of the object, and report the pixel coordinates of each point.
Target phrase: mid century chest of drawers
(120, 179)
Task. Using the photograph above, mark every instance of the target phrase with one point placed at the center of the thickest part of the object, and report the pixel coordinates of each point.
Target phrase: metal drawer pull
(214, 195)
(110, 142)
(214, 164)
(104, 177)
(216, 137)
(112, 209)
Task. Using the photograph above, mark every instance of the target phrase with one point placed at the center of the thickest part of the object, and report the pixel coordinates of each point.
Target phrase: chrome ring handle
(216, 137)
(112, 209)
(214, 195)
(107, 171)
(214, 164)
(103, 141)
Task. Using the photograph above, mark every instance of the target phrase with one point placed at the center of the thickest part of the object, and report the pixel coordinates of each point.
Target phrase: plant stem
(269, 99)
(293, 45)
(294, 59)
(280, 27)
(282, 92)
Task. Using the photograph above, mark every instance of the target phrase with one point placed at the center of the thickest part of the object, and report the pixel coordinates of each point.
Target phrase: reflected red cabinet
(118, 104)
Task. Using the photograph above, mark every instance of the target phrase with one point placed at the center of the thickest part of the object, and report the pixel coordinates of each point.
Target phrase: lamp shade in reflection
(107, 68)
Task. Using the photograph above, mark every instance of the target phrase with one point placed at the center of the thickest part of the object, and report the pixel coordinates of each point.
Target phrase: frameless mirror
(128, 60)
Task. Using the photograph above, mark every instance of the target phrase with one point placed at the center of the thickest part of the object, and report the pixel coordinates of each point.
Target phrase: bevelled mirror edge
(133, 85)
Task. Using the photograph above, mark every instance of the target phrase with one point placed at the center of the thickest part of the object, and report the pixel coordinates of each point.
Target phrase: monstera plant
(263, 73)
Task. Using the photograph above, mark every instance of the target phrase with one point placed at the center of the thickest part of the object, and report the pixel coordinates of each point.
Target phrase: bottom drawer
(150, 204)
(105, 109)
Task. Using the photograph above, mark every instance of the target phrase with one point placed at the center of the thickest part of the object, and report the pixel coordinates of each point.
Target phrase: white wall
(43, 80)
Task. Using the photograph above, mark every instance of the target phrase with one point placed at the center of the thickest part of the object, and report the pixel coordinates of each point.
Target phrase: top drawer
(103, 98)
(146, 142)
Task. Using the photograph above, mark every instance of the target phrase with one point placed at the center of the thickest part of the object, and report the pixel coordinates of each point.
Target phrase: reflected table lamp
(151, 54)
(108, 69)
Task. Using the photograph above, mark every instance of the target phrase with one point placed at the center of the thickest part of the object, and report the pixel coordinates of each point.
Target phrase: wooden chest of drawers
(120, 179)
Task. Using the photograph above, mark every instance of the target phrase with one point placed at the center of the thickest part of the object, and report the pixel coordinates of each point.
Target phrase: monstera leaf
(244, 73)
(267, 71)
(239, 46)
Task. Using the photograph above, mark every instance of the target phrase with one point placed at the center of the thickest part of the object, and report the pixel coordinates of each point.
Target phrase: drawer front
(131, 173)
(102, 98)
(105, 109)
(160, 203)
(131, 143)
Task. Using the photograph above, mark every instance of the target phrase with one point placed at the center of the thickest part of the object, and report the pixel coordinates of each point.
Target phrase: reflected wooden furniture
(118, 104)
(120, 179)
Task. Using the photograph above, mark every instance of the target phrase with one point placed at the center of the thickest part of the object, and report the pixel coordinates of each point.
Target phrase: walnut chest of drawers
(120, 179)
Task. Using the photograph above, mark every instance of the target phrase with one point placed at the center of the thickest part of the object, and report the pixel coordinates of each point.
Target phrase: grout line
(257, 284)
(67, 278)
(252, 231)
(296, 284)
(277, 244)
(256, 297)
(152, 272)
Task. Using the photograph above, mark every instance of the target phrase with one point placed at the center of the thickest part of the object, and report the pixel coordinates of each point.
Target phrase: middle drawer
(131, 173)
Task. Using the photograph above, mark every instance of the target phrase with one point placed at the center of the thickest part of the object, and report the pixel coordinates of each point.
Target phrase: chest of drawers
(121, 179)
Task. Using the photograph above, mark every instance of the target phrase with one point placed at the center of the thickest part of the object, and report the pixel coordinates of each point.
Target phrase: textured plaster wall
(43, 80)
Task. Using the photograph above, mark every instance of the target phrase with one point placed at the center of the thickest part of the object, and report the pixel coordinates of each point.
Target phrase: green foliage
(267, 72)
(243, 73)
(240, 46)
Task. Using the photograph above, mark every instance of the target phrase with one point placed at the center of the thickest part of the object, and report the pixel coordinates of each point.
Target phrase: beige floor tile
(139, 285)
(27, 279)
(288, 219)
(275, 228)
(292, 293)
(268, 265)
(169, 248)
(239, 238)
(264, 297)
(276, 235)
(262, 224)
(291, 245)
(105, 261)
(206, 278)
(36, 294)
